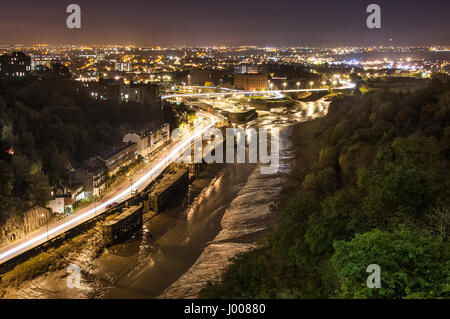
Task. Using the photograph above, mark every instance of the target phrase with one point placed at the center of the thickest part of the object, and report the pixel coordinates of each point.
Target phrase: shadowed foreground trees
(412, 265)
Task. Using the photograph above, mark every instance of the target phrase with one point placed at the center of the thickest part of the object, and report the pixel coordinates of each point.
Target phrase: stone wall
(173, 183)
(17, 227)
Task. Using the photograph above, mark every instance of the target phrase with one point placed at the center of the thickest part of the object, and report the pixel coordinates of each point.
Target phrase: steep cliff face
(17, 227)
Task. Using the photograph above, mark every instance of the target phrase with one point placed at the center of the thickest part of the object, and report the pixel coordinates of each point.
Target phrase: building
(141, 93)
(123, 67)
(118, 156)
(105, 89)
(248, 69)
(41, 60)
(202, 76)
(37, 64)
(101, 56)
(250, 78)
(160, 137)
(64, 197)
(251, 82)
(15, 65)
(92, 176)
(98, 179)
(60, 205)
(149, 141)
(78, 193)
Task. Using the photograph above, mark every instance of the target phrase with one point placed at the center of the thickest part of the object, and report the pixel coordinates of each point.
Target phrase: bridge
(279, 93)
(122, 193)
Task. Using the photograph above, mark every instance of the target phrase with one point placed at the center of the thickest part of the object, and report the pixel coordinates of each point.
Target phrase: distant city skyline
(206, 23)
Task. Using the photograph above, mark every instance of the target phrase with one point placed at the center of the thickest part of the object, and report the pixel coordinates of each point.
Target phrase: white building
(57, 205)
(150, 140)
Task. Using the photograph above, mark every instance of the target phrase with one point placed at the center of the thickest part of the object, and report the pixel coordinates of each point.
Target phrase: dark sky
(231, 22)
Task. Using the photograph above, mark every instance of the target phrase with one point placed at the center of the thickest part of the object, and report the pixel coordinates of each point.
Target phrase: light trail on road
(152, 173)
(38, 239)
(346, 86)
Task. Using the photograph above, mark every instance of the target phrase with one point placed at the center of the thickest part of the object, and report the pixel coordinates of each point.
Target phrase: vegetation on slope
(373, 188)
(51, 124)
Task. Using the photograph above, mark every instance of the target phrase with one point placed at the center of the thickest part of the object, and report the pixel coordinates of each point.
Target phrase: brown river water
(177, 252)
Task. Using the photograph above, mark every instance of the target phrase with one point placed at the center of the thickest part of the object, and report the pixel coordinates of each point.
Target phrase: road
(122, 193)
(345, 86)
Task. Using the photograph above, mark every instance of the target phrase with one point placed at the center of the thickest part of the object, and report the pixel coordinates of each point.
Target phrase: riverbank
(169, 243)
(233, 214)
(299, 144)
(229, 210)
(30, 279)
(245, 224)
(372, 178)
(44, 276)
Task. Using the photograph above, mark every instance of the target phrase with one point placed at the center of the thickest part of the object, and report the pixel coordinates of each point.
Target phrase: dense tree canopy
(374, 190)
(51, 124)
(412, 265)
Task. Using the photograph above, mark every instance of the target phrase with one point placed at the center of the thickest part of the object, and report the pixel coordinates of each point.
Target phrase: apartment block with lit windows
(15, 65)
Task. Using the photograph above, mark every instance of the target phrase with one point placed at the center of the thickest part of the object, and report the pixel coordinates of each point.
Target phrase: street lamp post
(298, 85)
(131, 186)
(95, 205)
(284, 85)
(46, 221)
(311, 84)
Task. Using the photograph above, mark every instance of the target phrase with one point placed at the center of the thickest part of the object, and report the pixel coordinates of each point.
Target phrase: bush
(412, 265)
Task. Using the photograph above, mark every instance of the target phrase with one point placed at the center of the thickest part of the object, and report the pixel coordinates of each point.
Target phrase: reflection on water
(176, 252)
(249, 214)
(172, 241)
(180, 250)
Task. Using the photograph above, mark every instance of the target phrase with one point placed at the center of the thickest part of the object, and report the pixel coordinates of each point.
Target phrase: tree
(323, 183)
(327, 157)
(411, 265)
(376, 161)
(439, 219)
(339, 218)
(52, 124)
(416, 151)
(395, 195)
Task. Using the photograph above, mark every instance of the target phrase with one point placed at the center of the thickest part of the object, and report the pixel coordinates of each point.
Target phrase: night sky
(231, 22)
